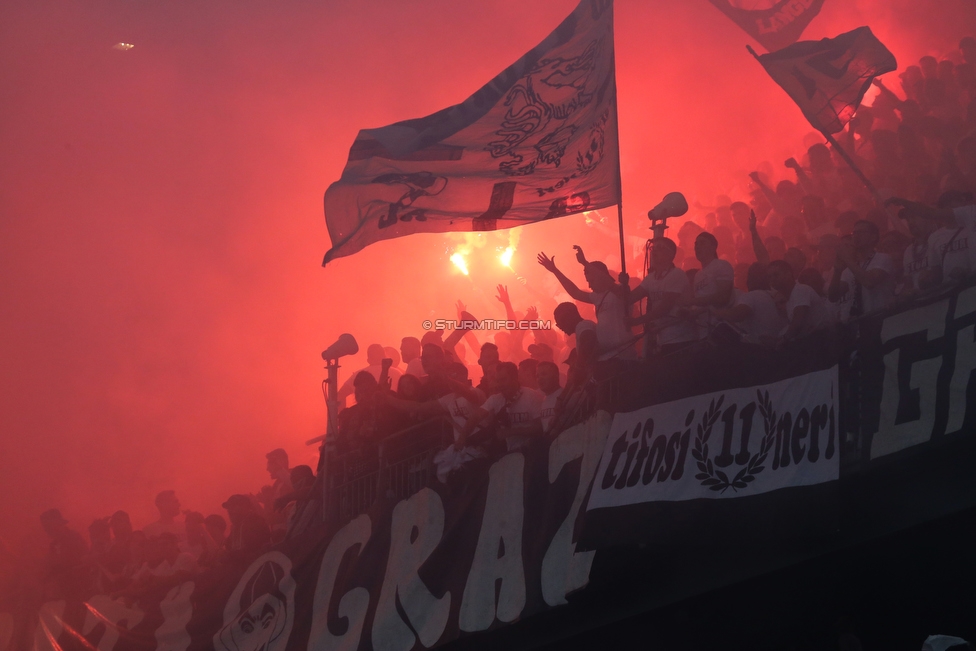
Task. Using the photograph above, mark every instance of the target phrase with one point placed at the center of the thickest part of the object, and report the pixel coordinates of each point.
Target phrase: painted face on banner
(260, 612)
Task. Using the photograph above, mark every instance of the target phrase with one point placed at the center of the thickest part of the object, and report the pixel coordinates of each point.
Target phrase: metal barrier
(401, 465)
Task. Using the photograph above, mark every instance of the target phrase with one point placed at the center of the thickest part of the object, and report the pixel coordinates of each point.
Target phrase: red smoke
(162, 230)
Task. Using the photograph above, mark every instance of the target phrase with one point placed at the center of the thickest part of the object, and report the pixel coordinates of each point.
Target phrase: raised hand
(755, 177)
(460, 307)
(792, 164)
(503, 295)
(580, 256)
(752, 221)
(549, 264)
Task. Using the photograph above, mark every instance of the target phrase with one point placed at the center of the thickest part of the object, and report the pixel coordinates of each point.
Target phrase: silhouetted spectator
(363, 425)
(100, 537)
(952, 255)
(916, 274)
(410, 388)
(796, 258)
(410, 354)
(66, 575)
(527, 373)
(612, 331)
(198, 543)
(754, 313)
(278, 470)
(120, 552)
(374, 357)
(488, 360)
(812, 278)
(665, 287)
(169, 507)
(514, 411)
(541, 352)
(568, 319)
(217, 528)
(806, 311)
(249, 533)
(863, 279)
(713, 284)
(548, 380)
(165, 564)
(304, 505)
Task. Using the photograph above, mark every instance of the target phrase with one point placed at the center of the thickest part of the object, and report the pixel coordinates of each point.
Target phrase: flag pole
(620, 193)
(837, 147)
(616, 122)
(853, 165)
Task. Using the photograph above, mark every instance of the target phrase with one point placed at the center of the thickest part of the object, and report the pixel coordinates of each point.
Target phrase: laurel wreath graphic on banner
(717, 480)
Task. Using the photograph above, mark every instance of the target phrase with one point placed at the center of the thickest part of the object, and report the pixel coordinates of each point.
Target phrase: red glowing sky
(161, 226)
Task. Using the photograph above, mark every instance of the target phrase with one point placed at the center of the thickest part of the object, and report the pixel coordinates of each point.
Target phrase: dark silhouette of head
(528, 369)
(547, 376)
(598, 276)
(507, 377)
(706, 248)
(781, 277)
(365, 387)
(409, 349)
(410, 388)
(757, 277)
(567, 317)
(168, 504)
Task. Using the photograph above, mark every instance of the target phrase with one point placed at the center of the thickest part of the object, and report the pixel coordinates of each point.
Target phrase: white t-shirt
(917, 259)
(522, 409)
(602, 354)
(765, 319)
(707, 281)
(458, 408)
(949, 249)
(804, 295)
(612, 330)
(672, 330)
(874, 298)
(548, 408)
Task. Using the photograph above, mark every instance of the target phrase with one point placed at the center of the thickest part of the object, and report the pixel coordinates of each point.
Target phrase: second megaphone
(344, 345)
(673, 205)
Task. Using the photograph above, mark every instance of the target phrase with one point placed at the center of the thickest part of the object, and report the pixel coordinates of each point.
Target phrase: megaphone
(673, 205)
(344, 345)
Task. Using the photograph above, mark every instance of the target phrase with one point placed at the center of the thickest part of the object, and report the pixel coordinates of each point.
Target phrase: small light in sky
(123, 46)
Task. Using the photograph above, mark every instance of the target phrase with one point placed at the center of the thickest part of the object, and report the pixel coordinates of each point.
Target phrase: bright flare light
(459, 262)
(123, 46)
(506, 257)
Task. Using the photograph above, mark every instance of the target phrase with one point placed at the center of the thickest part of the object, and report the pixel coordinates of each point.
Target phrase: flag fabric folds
(538, 141)
(776, 26)
(828, 78)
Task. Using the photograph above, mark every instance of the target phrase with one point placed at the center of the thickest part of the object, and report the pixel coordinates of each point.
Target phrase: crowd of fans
(124, 562)
(790, 261)
(797, 257)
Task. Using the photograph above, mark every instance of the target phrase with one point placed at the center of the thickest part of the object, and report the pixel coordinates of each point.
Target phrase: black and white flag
(538, 141)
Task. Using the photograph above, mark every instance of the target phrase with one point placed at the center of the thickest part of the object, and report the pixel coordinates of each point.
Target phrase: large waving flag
(774, 23)
(538, 141)
(828, 78)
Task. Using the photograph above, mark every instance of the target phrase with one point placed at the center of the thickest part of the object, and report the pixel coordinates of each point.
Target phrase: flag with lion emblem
(538, 141)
